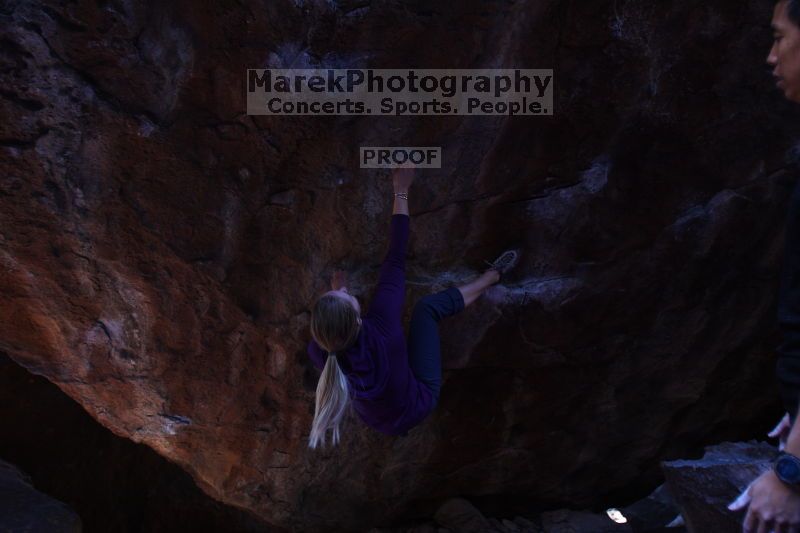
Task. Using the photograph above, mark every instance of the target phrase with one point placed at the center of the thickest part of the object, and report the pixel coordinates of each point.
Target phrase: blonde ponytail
(334, 326)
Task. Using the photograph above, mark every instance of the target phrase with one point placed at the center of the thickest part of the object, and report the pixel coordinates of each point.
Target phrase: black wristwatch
(787, 468)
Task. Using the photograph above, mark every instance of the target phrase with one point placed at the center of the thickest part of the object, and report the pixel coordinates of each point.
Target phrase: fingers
(783, 438)
(753, 525)
(750, 522)
(782, 426)
(781, 431)
(742, 501)
(406, 168)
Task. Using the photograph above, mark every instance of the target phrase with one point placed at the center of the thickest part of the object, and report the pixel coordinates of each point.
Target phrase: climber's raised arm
(401, 181)
(386, 308)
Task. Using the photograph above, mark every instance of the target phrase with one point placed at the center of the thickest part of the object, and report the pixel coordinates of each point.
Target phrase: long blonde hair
(334, 326)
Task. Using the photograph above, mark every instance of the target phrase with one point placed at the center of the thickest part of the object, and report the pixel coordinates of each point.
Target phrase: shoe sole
(506, 268)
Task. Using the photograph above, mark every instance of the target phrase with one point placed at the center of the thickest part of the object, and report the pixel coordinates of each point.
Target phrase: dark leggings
(424, 351)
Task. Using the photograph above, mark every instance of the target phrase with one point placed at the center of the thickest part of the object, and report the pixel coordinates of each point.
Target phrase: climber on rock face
(773, 499)
(366, 361)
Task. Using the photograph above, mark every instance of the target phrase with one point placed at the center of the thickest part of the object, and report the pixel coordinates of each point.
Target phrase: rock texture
(459, 515)
(113, 484)
(654, 513)
(160, 249)
(703, 488)
(23, 508)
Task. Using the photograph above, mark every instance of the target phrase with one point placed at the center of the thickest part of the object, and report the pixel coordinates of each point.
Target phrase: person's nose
(772, 57)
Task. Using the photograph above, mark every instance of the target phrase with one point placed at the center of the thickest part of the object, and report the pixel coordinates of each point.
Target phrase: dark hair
(793, 11)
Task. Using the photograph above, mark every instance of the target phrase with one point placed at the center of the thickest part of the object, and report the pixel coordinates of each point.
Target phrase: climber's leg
(473, 289)
(424, 350)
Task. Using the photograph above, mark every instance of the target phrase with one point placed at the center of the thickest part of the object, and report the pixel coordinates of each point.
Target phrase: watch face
(788, 470)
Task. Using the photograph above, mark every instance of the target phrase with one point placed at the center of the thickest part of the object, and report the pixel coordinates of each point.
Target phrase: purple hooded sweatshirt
(385, 393)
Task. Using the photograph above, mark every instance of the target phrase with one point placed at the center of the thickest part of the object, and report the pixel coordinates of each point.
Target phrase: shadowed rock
(704, 488)
(160, 249)
(23, 508)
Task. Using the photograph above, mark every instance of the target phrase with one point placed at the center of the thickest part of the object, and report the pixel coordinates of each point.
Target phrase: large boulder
(160, 249)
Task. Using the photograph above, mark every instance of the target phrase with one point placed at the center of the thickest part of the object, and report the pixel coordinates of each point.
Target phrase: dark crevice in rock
(112, 483)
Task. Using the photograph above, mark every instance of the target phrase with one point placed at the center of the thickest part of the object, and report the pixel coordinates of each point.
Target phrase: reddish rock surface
(113, 484)
(160, 249)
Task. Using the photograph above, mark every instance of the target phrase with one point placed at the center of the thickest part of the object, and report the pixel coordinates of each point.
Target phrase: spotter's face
(784, 57)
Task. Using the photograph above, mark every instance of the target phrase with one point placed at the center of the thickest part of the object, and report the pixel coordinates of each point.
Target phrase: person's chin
(790, 94)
